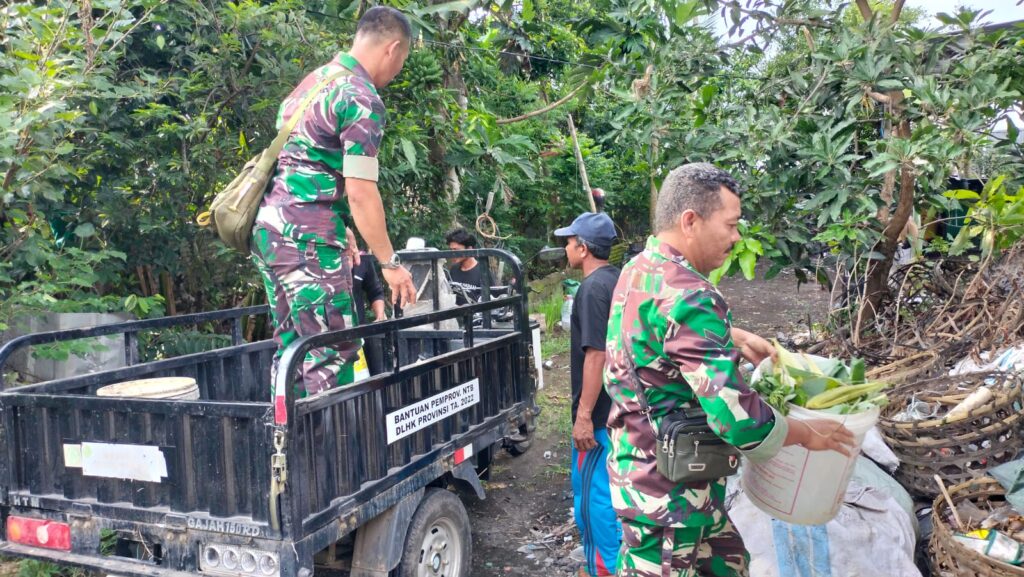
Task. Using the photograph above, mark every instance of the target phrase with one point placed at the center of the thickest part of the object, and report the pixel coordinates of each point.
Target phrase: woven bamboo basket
(909, 369)
(959, 450)
(952, 559)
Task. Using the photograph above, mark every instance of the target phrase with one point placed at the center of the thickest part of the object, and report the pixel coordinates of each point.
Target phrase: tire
(517, 448)
(438, 543)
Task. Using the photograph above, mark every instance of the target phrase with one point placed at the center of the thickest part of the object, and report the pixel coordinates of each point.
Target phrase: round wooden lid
(157, 388)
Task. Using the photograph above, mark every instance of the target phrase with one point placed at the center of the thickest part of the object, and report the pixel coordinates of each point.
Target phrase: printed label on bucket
(776, 483)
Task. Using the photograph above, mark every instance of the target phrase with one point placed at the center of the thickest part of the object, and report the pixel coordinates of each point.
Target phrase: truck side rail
(335, 445)
(218, 437)
(130, 330)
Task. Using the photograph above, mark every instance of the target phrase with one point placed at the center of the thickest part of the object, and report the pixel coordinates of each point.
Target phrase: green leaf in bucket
(857, 371)
(840, 372)
(813, 383)
(817, 385)
(800, 396)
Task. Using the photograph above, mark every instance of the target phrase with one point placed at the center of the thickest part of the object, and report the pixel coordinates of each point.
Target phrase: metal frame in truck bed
(251, 479)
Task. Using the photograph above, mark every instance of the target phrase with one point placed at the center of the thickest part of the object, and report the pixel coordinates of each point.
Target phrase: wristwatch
(392, 263)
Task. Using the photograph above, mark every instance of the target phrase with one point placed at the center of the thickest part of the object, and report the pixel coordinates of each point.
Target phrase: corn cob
(843, 394)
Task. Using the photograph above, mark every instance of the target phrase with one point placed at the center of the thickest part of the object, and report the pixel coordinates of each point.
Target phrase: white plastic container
(174, 388)
(567, 312)
(806, 487)
(801, 486)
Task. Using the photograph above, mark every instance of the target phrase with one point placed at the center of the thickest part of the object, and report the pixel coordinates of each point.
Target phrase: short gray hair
(693, 187)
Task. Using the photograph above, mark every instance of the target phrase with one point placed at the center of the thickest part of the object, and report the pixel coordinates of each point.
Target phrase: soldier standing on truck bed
(671, 330)
(326, 174)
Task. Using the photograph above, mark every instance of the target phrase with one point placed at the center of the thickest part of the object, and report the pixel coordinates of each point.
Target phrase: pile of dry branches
(938, 312)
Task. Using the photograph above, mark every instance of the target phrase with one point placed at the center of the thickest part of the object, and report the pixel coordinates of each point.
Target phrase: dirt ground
(529, 499)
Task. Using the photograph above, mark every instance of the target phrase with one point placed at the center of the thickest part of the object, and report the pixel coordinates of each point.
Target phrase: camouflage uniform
(299, 235)
(675, 326)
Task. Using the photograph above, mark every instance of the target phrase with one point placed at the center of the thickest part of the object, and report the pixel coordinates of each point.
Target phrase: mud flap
(379, 543)
(465, 474)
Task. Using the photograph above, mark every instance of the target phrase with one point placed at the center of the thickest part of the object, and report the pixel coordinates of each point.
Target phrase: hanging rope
(485, 224)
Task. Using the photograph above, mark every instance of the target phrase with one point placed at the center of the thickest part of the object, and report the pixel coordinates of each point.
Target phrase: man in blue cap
(589, 242)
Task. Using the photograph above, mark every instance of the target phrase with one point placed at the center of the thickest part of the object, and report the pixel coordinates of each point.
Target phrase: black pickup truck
(250, 479)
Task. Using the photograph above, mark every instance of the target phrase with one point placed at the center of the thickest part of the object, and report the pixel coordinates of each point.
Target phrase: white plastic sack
(874, 448)
(867, 474)
(1010, 360)
(871, 536)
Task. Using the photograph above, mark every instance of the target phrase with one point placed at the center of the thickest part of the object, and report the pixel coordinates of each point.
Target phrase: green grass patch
(33, 568)
(557, 471)
(551, 308)
(552, 344)
(555, 420)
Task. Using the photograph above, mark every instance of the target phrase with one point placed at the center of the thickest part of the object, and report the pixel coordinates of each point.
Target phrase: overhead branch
(865, 10)
(741, 41)
(547, 108)
(802, 22)
(897, 9)
(808, 37)
(879, 97)
(212, 121)
(757, 15)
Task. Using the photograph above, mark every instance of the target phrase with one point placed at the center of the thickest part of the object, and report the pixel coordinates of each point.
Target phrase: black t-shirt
(473, 276)
(590, 310)
(366, 287)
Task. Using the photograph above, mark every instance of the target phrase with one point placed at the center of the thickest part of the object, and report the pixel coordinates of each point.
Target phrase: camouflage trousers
(309, 288)
(656, 551)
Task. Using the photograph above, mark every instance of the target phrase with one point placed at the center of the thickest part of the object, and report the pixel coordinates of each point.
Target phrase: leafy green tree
(120, 119)
(860, 130)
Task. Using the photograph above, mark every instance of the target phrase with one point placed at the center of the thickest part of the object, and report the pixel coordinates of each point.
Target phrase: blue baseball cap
(594, 227)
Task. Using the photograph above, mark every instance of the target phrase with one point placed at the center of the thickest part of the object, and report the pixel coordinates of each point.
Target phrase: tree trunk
(453, 184)
(454, 82)
(168, 289)
(143, 287)
(878, 270)
(154, 288)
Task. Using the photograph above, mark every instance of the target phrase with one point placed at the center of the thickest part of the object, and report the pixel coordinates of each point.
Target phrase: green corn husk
(831, 386)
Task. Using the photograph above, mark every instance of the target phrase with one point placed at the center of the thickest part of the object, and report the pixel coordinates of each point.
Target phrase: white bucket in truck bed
(180, 388)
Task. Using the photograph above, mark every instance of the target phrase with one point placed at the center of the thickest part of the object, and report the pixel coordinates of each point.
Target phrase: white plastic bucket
(801, 486)
(806, 487)
(172, 388)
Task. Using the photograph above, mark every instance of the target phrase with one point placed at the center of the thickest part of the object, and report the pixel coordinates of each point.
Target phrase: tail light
(218, 559)
(39, 533)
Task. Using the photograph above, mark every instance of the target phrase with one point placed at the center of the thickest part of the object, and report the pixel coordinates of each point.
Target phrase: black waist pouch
(689, 452)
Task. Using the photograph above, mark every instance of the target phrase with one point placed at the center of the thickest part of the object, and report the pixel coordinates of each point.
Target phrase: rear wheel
(438, 543)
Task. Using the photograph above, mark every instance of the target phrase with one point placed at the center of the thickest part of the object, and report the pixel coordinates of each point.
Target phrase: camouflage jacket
(676, 328)
(337, 137)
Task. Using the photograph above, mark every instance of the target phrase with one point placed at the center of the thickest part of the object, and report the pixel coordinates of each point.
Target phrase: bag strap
(636, 385)
(279, 141)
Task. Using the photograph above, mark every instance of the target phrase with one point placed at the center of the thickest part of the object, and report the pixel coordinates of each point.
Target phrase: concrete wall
(109, 353)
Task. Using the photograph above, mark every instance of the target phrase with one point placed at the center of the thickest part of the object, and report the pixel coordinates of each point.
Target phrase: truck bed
(218, 438)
